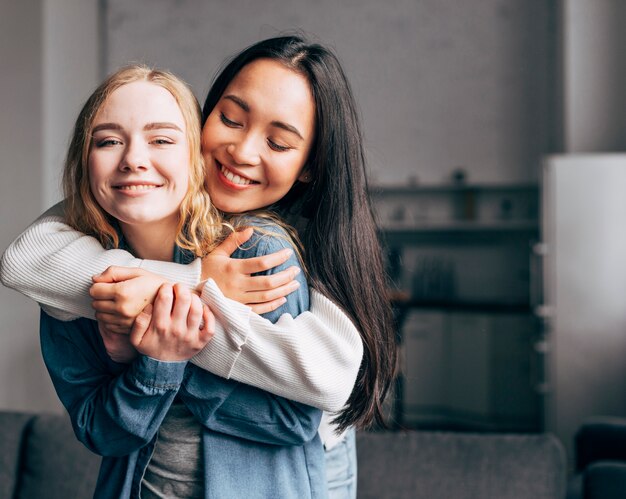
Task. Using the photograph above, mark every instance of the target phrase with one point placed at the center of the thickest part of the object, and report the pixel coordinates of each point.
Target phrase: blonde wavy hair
(200, 226)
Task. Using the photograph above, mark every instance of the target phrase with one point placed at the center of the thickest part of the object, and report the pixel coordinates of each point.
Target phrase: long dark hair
(343, 255)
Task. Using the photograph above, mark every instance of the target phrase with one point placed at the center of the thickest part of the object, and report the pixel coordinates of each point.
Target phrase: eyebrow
(160, 125)
(278, 124)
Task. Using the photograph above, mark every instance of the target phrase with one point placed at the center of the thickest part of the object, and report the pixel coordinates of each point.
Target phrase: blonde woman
(134, 180)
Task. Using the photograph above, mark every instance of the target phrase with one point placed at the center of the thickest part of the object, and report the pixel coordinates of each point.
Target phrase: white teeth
(136, 187)
(235, 179)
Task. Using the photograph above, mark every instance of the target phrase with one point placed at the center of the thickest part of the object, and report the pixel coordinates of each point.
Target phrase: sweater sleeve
(313, 359)
(234, 408)
(52, 263)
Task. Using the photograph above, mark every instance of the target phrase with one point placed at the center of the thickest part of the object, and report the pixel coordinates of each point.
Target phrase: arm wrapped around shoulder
(313, 359)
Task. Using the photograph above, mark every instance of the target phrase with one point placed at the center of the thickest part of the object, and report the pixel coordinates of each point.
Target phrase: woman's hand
(120, 294)
(175, 328)
(263, 293)
(118, 346)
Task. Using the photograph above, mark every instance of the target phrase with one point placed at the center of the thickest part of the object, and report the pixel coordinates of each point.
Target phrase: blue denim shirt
(255, 444)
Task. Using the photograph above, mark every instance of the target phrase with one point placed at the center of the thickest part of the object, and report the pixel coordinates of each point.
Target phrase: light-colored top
(175, 468)
(313, 359)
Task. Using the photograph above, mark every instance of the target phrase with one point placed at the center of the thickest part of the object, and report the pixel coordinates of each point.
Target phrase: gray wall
(49, 57)
(440, 83)
(20, 194)
(594, 75)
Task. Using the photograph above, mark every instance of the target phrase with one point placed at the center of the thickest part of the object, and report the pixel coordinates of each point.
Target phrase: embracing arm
(53, 264)
(222, 405)
(313, 359)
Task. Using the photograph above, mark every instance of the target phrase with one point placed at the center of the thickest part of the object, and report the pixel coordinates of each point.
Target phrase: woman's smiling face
(139, 156)
(258, 137)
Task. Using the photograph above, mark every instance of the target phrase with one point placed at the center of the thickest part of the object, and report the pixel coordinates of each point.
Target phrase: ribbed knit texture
(53, 264)
(313, 359)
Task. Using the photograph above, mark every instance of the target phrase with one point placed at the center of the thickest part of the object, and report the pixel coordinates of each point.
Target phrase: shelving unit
(460, 261)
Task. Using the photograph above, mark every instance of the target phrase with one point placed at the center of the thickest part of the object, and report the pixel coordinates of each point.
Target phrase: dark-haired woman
(326, 202)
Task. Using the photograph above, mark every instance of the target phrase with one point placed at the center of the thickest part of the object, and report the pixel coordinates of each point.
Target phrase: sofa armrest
(605, 480)
(55, 465)
(13, 426)
(600, 439)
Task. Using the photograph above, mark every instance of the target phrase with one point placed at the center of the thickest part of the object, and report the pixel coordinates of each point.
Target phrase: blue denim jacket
(255, 444)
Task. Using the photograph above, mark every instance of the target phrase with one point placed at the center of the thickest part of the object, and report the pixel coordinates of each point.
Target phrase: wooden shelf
(386, 190)
(463, 306)
(462, 226)
(465, 233)
(444, 229)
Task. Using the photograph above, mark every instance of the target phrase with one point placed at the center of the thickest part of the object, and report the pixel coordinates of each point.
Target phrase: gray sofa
(446, 465)
(40, 458)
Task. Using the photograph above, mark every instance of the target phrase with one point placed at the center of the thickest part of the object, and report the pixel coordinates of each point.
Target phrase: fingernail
(296, 271)
(288, 251)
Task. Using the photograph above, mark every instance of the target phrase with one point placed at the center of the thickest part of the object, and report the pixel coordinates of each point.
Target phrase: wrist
(166, 359)
(204, 269)
(158, 373)
(198, 289)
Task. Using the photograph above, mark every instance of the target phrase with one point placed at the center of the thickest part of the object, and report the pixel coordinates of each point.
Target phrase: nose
(245, 150)
(135, 157)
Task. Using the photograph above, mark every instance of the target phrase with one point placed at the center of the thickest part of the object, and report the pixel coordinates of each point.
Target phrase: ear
(305, 177)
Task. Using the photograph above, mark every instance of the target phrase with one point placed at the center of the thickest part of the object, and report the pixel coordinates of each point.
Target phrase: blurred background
(474, 112)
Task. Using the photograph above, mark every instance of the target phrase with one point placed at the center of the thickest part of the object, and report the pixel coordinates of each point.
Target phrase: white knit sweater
(312, 359)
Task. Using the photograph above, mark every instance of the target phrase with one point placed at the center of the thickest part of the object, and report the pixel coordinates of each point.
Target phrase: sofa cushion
(427, 465)
(55, 464)
(12, 427)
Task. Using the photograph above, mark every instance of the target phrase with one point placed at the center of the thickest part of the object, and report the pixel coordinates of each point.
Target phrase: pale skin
(255, 144)
(176, 329)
